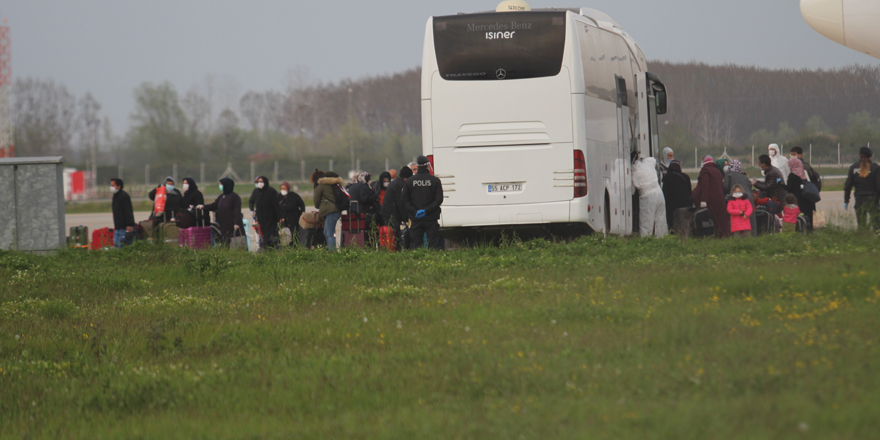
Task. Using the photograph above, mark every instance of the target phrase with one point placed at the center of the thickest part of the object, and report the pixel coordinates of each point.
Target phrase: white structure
(533, 119)
(852, 23)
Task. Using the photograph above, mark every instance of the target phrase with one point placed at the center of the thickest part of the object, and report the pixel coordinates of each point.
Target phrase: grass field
(771, 338)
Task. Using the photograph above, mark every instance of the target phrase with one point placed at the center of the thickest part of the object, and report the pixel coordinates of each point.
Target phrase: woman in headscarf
(292, 207)
(864, 177)
(676, 191)
(192, 197)
(665, 159)
(268, 212)
(722, 163)
(795, 186)
(228, 208)
(735, 175)
(709, 193)
(379, 187)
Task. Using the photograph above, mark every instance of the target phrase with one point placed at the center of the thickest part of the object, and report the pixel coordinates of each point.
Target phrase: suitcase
(102, 239)
(309, 238)
(683, 221)
(354, 222)
(353, 239)
(704, 224)
(765, 222)
(79, 237)
(169, 232)
(196, 237)
(801, 225)
(387, 239)
(150, 228)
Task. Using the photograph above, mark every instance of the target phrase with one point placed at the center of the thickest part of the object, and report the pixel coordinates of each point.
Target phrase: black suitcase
(704, 224)
(765, 222)
(312, 237)
(683, 221)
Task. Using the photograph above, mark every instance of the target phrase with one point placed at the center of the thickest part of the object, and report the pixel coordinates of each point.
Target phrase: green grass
(770, 338)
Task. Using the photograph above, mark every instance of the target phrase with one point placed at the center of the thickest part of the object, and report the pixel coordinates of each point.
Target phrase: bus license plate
(505, 187)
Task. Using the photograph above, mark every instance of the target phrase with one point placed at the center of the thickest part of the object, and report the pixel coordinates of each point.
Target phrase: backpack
(342, 198)
(815, 178)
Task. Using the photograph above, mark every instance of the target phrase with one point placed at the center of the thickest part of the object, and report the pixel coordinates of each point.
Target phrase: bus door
(652, 102)
(623, 165)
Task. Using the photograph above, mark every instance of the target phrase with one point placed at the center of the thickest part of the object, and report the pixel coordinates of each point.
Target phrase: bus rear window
(499, 46)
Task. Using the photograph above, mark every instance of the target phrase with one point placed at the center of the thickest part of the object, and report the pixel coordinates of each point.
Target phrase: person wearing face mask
(367, 200)
(740, 210)
(268, 212)
(173, 199)
(676, 191)
(123, 213)
(228, 209)
(665, 158)
(795, 186)
(292, 207)
(192, 197)
(735, 175)
(380, 187)
(773, 184)
(779, 161)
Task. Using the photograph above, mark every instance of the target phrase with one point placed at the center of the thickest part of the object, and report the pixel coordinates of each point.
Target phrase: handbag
(819, 220)
(239, 242)
(809, 192)
(310, 220)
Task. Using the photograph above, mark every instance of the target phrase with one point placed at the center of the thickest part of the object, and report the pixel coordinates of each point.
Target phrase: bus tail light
(580, 174)
(431, 168)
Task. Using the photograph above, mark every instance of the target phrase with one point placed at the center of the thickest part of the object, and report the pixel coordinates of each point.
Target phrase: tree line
(377, 118)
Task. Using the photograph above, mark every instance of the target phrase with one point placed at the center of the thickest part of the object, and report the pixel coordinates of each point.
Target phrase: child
(740, 209)
(790, 214)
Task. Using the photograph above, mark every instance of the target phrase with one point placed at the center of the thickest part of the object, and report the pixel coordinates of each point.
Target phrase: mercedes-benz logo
(500, 74)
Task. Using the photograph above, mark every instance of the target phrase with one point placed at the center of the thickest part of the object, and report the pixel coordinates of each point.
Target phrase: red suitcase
(102, 239)
(350, 239)
(387, 239)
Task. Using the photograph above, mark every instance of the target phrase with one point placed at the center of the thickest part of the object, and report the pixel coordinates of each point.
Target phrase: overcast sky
(109, 47)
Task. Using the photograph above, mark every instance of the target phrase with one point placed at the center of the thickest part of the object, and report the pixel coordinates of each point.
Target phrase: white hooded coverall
(652, 205)
(778, 160)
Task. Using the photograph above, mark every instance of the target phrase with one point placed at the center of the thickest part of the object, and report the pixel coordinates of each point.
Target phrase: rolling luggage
(683, 221)
(387, 239)
(150, 229)
(704, 224)
(169, 232)
(765, 222)
(196, 237)
(187, 219)
(353, 228)
(801, 225)
(79, 237)
(353, 239)
(102, 239)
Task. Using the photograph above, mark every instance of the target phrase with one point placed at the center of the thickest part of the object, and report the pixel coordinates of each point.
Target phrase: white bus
(532, 120)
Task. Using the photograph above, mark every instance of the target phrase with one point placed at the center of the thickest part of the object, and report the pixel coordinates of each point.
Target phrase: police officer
(421, 197)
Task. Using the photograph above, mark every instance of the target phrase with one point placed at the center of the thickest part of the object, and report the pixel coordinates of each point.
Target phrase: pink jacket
(737, 222)
(790, 215)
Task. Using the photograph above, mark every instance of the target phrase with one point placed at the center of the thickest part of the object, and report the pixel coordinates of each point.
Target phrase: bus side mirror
(660, 98)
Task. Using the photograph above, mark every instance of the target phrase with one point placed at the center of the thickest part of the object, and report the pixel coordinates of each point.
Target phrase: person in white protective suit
(652, 204)
(778, 160)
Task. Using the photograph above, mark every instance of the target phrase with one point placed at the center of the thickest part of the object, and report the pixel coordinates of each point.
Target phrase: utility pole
(202, 173)
(351, 130)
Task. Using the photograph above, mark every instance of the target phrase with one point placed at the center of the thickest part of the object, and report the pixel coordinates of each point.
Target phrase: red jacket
(737, 222)
(790, 215)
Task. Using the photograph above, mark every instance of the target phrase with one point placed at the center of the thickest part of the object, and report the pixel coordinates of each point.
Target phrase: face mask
(260, 185)
(726, 168)
(772, 153)
(185, 187)
(113, 189)
(283, 192)
(169, 188)
(221, 187)
(385, 184)
(737, 194)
